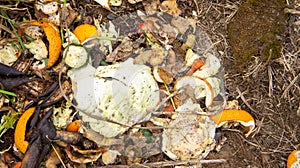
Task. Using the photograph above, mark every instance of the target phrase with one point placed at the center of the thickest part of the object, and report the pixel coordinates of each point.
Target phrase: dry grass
(268, 90)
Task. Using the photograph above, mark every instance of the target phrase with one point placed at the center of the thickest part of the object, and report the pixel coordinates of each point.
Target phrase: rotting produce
(114, 98)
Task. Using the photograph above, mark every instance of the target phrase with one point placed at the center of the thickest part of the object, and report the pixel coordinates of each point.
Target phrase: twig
(189, 162)
(270, 81)
(292, 11)
(57, 154)
(244, 100)
(197, 7)
(290, 85)
(298, 111)
(7, 30)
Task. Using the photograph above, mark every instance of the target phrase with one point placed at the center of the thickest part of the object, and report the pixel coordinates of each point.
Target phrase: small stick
(244, 100)
(189, 162)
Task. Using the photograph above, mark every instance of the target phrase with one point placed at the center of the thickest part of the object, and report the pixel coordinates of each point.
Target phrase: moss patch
(256, 30)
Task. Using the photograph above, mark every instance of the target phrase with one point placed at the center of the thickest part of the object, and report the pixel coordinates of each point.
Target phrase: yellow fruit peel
(19, 136)
(85, 31)
(53, 37)
(293, 160)
(240, 116)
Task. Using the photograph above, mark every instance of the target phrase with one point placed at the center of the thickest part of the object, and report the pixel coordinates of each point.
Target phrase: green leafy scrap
(148, 135)
(8, 121)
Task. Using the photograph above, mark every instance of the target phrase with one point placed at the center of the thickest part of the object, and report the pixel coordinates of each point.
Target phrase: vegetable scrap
(9, 54)
(75, 56)
(38, 49)
(8, 120)
(20, 131)
(190, 135)
(202, 88)
(125, 99)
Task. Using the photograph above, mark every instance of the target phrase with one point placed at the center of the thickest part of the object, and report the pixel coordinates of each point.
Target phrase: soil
(268, 89)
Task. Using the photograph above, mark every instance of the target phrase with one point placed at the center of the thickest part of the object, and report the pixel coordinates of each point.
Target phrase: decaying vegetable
(211, 67)
(9, 54)
(38, 49)
(8, 120)
(75, 56)
(189, 135)
(113, 98)
(201, 87)
(123, 94)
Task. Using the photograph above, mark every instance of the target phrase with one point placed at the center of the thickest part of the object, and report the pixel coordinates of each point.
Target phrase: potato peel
(53, 38)
(19, 136)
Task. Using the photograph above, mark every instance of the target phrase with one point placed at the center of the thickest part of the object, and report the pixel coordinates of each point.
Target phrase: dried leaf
(110, 156)
(87, 156)
(104, 3)
(53, 159)
(171, 7)
(47, 8)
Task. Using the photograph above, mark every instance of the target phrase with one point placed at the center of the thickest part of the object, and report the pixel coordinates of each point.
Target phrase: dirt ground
(269, 90)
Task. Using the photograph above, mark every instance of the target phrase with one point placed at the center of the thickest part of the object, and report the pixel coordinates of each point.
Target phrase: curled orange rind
(293, 160)
(85, 31)
(20, 130)
(240, 116)
(53, 37)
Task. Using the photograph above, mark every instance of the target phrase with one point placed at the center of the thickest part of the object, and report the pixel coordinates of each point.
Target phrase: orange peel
(85, 31)
(293, 160)
(19, 136)
(53, 37)
(240, 116)
(74, 126)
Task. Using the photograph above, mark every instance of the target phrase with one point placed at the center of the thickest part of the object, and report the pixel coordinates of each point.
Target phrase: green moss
(255, 29)
(272, 50)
